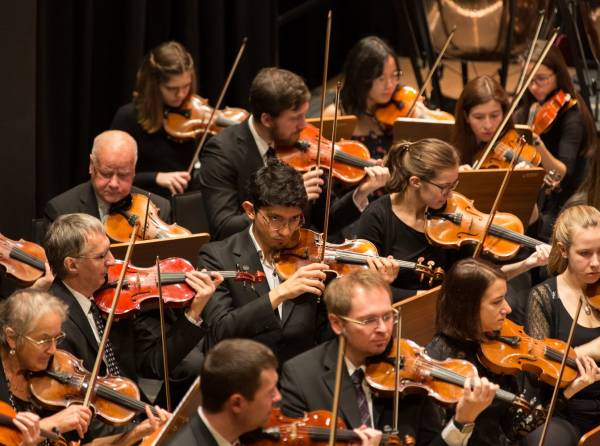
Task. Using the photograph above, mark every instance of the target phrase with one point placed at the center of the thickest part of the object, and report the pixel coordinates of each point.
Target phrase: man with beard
(278, 102)
(360, 309)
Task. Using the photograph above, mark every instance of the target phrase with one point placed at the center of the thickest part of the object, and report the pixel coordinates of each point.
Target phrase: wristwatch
(464, 428)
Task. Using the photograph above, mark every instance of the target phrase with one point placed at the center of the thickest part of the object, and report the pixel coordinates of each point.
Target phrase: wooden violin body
(23, 260)
(349, 157)
(311, 430)
(116, 399)
(549, 111)
(191, 119)
(460, 222)
(400, 104)
(512, 350)
(505, 150)
(119, 224)
(342, 258)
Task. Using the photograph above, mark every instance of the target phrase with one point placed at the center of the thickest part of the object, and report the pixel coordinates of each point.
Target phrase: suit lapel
(88, 200)
(348, 403)
(247, 144)
(201, 432)
(77, 316)
(246, 255)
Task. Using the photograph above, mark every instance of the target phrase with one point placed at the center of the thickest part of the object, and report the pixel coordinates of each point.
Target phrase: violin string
(343, 255)
(514, 236)
(27, 258)
(351, 159)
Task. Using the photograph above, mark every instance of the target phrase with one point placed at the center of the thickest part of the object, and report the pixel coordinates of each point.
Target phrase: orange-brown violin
(549, 111)
(23, 260)
(504, 151)
(10, 434)
(190, 120)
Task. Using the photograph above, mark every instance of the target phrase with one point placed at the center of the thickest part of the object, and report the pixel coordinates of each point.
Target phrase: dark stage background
(69, 64)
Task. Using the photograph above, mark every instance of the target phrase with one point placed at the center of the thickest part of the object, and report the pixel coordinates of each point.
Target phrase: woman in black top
(473, 303)
(423, 176)
(571, 138)
(166, 79)
(575, 262)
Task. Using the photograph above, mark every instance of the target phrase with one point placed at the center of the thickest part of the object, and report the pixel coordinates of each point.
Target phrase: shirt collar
(84, 302)
(261, 254)
(221, 441)
(263, 145)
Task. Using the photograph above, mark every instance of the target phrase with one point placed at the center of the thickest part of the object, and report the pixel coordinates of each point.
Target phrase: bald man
(112, 168)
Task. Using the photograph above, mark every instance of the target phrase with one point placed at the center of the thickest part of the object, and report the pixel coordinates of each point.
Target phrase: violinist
(371, 77)
(287, 316)
(279, 100)
(238, 385)
(165, 80)
(423, 176)
(463, 319)
(479, 111)
(78, 251)
(575, 264)
(112, 168)
(570, 137)
(360, 309)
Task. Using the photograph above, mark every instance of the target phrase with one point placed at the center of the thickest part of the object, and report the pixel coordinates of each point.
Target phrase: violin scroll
(428, 271)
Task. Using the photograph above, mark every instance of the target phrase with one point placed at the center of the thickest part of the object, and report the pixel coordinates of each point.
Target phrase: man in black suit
(112, 168)
(360, 309)
(279, 102)
(238, 385)
(78, 252)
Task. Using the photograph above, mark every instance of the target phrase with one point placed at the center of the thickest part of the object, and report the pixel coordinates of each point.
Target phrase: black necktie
(109, 354)
(361, 398)
(270, 154)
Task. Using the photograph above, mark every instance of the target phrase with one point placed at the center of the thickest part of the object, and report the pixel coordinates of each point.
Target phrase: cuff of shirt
(360, 206)
(197, 323)
(453, 436)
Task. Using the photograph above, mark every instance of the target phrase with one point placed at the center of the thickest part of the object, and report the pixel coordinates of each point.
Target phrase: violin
(312, 430)
(350, 157)
(343, 258)
(548, 112)
(399, 105)
(444, 381)
(140, 287)
(190, 120)
(504, 151)
(10, 434)
(137, 207)
(511, 350)
(460, 222)
(23, 260)
(116, 399)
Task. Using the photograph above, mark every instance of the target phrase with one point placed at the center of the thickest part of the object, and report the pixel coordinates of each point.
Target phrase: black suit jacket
(238, 310)
(82, 199)
(307, 383)
(195, 433)
(227, 162)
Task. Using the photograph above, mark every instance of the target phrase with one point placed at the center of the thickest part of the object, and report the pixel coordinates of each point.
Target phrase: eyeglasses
(393, 79)
(277, 223)
(47, 342)
(372, 322)
(444, 188)
(540, 80)
(101, 256)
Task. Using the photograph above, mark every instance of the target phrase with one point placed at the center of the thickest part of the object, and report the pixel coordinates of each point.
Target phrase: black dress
(548, 318)
(156, 151)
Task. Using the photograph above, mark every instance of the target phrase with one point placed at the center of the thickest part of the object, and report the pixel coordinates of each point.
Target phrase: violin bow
(561, 370)
(499, 197)
(431, 71)
(324, 90)
(163, 335)
(91, 385)
(516, 101)
(398, 312)
(146, 218)
(531, 48)
(337, 388)
(217, 105)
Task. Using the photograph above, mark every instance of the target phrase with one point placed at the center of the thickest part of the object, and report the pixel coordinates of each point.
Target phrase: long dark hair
(478, 91)
(363, 65)
(460, 301)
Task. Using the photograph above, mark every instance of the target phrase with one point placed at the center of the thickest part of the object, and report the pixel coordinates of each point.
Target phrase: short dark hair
(460, 300)
(363, 65)
(233, 366)
(277, 184)
(274, 90)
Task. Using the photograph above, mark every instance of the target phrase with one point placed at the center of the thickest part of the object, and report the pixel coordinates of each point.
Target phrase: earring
(12, 352)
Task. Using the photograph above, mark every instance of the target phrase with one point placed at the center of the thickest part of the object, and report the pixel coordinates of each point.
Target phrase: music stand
(345, 126)
(521, 193)
(145, 251)
(411, 129)
(418, 315)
